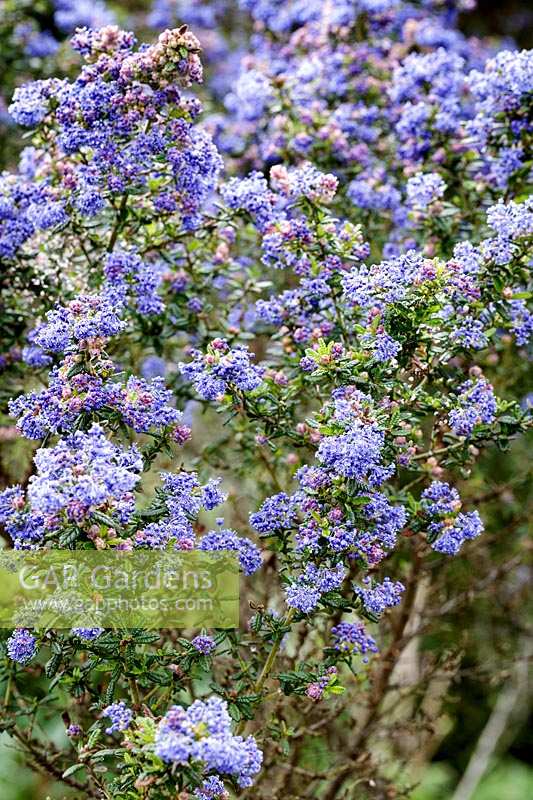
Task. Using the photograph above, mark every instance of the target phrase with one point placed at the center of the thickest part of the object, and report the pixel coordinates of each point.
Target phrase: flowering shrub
(329, 271)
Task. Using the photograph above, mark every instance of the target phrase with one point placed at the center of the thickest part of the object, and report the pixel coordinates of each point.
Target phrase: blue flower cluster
(476, 405)
(21, 646)
(105, 111)
(356, 454)
(87, 318)
(25, 209)
(221, 369)
(120, 715)
(351, 637)
(87, 634)
(225, 539)
(204, 644)
(377, 597)
(331, 294)
(306, 591)
(82, 473)
(125, 274)
(424, 188)
(202, 733)
(25, 528)
(449, 527)
(212, 788)
(143, 405)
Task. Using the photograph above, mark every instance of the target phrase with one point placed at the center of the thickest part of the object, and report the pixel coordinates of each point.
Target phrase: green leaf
(71, 770)
(104, 519)
(52, 665)
(146, 637)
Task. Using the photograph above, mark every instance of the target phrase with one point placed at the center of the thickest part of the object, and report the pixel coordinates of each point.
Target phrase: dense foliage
(307, 307)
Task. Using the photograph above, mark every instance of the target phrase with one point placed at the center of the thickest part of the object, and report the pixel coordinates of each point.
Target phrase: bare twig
(514, 693)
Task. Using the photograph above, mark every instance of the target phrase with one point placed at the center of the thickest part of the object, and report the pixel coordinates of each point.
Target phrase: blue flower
(202, 733)
(380, 596)
(357, 454)
(424, 188)
(476, 405)
(352, 637)
(120, 715)
(21, 646)
(220, 369)
(225, 539)
(204, 644)
(88, 634)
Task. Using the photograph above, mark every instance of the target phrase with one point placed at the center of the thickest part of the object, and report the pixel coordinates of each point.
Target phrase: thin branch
(514, 693)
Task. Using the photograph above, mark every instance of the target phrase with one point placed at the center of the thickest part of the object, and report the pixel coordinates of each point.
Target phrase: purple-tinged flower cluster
(387, 283)
(21, 646)
(278, 512)
(212, 788)
(304, 181)
(440, 498)
(30, 103)
(127, 274)
(83, 473)
(511, 220)
(221, 369)
(448, 528)
(160, 535)
(25, 208)
(521, 321)
(25, 528)
(379, 528)
(470, 333)
(185, 496)
(251, 194)
(87, 318)
(202, 733)
(204, 644)
(225, 539)
(105, 110)
(145, 405)
(317, 689)
(450, 537)
(385, 348)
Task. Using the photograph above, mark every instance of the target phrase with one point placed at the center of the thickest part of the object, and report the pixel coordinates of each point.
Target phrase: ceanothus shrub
(336, 317)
